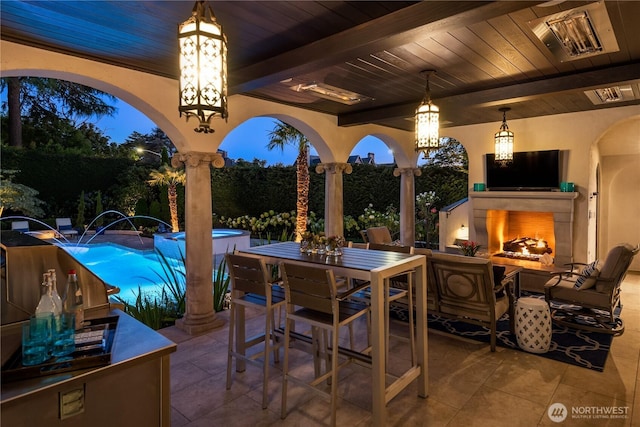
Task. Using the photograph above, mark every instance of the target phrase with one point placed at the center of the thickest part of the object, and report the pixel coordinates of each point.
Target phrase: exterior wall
(573, 133)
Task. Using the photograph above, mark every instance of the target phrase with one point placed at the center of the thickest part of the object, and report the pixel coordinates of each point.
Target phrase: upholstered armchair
(466, 291)
(379, 235)
(587, 296)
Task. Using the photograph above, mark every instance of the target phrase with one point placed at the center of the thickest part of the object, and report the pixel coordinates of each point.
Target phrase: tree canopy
(18, 198)
(55, 116)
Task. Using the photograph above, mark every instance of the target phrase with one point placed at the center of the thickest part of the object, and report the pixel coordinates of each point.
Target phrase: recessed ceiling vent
(577, 33)
(331, 93)
(607, 95)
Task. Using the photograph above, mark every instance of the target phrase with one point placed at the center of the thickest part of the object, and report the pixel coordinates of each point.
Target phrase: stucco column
(333, 196)
(199, 315)
(407, 204)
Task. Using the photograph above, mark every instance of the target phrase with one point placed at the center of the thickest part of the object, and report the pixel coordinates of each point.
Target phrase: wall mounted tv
(529, 171)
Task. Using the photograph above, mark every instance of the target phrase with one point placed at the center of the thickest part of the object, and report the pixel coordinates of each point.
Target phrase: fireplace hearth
(502, 219)
(519, 255)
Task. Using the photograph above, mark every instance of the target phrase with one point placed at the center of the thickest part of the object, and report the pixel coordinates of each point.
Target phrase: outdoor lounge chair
(63, 225)
(21, 226)
(589, 298)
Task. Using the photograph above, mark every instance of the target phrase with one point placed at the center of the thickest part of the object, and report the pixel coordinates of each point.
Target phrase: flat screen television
(529, 171)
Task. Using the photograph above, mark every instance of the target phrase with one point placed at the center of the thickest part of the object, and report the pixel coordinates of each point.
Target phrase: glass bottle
(54, 291)
(72, 299)
(47, 304)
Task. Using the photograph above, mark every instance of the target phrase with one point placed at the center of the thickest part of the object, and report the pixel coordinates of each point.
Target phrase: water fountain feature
(124, 218)
(51, 233)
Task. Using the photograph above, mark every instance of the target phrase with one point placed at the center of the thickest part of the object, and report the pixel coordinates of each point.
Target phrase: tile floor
(468, 385)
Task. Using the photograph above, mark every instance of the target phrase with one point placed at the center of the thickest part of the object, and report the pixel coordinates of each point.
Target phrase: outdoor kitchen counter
(133, 390)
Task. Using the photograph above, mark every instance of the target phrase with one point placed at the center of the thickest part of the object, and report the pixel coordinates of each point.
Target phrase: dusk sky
(128, 119)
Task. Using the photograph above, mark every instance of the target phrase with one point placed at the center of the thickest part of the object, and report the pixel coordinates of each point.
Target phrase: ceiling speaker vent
(577, 33)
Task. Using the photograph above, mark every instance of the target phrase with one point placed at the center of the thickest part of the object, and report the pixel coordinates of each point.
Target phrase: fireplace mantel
(528, 195)
(561, 204)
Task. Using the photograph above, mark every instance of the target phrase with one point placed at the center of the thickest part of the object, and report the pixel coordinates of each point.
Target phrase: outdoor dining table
(375, 267)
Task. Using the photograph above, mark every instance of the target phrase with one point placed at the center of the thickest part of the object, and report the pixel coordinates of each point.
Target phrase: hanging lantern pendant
(504, 141)
(203, 67)
(427, 122)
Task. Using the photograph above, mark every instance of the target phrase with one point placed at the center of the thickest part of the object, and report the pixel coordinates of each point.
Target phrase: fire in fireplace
(526, 248)
(521, 234)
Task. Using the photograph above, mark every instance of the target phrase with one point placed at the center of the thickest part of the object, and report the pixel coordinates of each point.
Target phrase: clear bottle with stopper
(72, 301)
(54, 290)
(47, 303)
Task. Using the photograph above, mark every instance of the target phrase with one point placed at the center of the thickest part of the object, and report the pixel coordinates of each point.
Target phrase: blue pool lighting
(124, 267)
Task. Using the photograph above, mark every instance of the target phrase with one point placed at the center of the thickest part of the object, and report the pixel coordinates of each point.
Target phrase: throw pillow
(586, 273)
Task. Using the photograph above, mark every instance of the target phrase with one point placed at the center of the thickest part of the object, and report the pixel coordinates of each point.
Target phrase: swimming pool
(124, 267)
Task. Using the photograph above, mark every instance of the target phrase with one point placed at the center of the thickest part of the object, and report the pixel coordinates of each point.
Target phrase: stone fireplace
(501, 216)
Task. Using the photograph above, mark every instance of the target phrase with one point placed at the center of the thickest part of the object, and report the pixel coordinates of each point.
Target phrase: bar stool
(251, 287)
(403, 289)
(312, 299)
(533, 324)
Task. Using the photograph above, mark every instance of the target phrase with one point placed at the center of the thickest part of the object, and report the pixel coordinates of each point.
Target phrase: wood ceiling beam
(505, 94)
(392, 30)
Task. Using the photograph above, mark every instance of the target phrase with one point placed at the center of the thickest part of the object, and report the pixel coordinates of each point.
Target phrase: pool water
(125, 268)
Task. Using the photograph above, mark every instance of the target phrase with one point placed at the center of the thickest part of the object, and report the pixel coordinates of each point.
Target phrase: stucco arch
(332, 142)
(156, 97)
(621, 138)
(617, 201)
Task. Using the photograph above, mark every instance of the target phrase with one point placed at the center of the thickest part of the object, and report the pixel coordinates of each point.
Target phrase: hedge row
(239, 190)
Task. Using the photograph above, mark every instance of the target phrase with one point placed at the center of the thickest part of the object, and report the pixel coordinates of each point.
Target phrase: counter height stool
(312, 299)
(251, 287)
(533, 324)
(399, 287)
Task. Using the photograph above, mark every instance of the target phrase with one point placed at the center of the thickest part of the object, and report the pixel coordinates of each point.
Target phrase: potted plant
(469, 248)
(335, 245)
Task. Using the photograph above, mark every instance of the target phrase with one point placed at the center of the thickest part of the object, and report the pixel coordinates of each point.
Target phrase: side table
(533, 324)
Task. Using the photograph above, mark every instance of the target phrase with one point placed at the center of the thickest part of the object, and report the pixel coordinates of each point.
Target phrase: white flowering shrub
(373, 218)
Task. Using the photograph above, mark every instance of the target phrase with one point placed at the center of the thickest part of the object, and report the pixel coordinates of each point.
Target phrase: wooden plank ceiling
(485, 54)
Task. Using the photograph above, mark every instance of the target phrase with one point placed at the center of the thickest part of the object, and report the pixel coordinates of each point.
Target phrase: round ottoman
(533, 325)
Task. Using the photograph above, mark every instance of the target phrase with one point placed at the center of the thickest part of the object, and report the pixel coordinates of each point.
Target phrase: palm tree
(170, 177)
(281, 135)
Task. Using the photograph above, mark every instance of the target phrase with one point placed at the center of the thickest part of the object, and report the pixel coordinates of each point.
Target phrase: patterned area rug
(573, 346)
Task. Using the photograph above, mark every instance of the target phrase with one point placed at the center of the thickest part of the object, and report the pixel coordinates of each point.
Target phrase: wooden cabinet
(134, 390)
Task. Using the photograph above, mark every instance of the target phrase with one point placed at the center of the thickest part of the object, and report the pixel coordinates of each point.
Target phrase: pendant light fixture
(427, 122)
(504, 141)
(203, 67)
